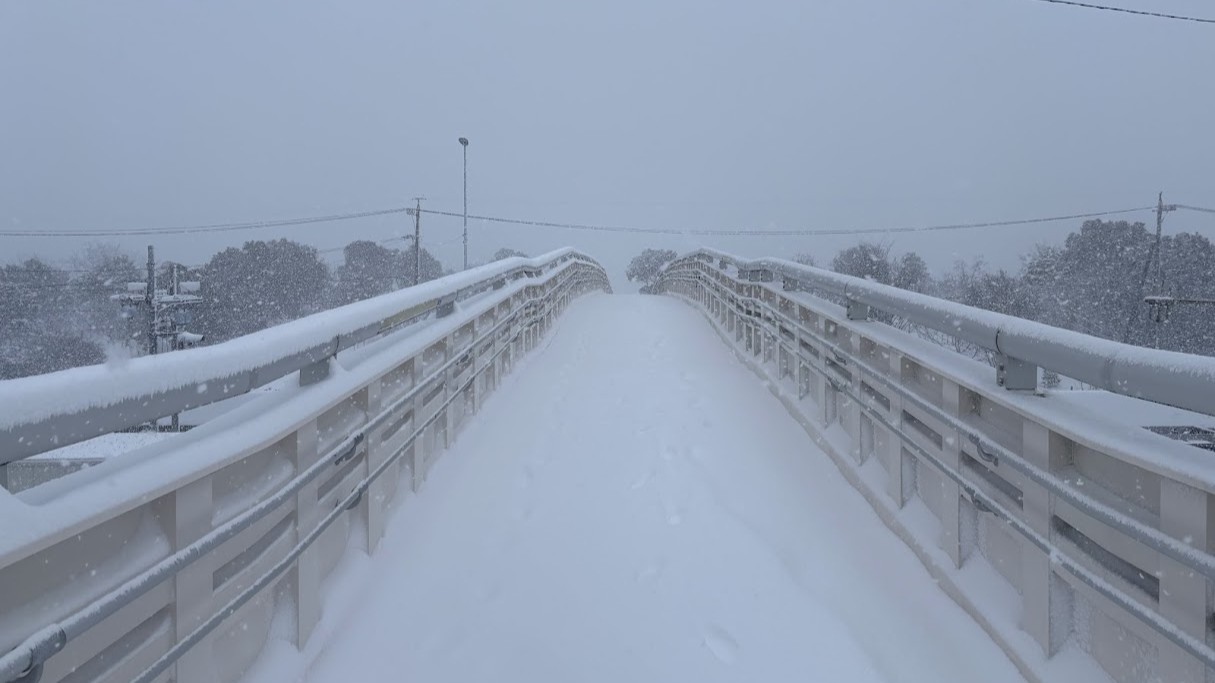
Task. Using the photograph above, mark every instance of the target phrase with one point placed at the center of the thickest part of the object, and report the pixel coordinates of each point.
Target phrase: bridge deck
(634, 505)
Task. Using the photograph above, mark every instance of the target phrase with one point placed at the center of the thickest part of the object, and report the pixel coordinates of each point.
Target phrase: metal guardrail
(50, 411)
(1176, 379)
(472, 356)
(782, 333)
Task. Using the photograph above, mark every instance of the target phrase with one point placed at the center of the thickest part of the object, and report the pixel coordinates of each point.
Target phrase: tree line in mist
(53, 318)
(1094, 283)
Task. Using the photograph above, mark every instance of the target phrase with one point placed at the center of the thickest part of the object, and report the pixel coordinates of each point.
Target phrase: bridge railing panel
(175, 567)
(54, 410)
(1100, 542)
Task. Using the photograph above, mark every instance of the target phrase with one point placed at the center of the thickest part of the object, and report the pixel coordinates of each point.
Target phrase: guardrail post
(192, 585)
(306, 575)
(769, 340)
(532, 323)
(448, 392)
(898, 465)
(551, 307)
(483, 375)
(512, 337)
(375, 501)
(951, 494)
(1184, 598)
(512, 328)
(827, 398)
(1044, 595)
(417, 449)
(495, 349)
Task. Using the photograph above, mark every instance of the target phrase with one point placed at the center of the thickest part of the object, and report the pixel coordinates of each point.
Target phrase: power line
(786, 233)
(1124, 10)
(1194, 208)
(257, 225)
(191, 229)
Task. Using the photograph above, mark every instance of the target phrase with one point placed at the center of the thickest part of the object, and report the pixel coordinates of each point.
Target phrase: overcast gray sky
(763, 114)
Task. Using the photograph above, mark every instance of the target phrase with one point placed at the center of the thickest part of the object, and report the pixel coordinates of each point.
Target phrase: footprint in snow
(721, 644)
(489, 592)
(641, 481)
(650, 572)
(525, 478)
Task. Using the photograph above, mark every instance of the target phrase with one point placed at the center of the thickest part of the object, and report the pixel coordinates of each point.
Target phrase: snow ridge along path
(633, 505)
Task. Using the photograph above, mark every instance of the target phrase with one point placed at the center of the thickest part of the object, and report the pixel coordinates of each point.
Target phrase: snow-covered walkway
(634, 505)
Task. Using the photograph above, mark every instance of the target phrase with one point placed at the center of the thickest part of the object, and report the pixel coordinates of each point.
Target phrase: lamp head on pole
(464, 141)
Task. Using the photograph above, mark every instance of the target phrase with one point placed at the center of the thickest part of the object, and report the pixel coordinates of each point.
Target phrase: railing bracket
(311, 374)
(1015, 374)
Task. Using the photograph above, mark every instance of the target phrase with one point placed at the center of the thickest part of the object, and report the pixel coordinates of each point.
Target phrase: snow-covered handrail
(177, 559)
(1097, 522)
(53, 410)
(1176, 379)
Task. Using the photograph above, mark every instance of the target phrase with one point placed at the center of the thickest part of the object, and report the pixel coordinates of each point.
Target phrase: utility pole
(1156, 308)
(1158, 252)
(464, 144)
(417, 241)
(149, 299)
(1160, 303)
(166, 312)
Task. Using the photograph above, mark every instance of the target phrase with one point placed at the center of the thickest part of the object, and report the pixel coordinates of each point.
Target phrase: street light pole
(464, 144)
(417, 241)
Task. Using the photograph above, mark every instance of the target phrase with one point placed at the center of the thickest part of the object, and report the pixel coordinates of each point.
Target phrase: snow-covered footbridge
(772, 472)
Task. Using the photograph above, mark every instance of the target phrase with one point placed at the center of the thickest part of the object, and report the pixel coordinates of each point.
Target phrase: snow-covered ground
(634, 505)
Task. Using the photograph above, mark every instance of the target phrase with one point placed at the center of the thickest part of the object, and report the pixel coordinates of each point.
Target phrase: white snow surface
(633, 505)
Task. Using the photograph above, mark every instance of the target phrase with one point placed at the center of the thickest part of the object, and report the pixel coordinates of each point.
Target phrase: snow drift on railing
(34, 398)
(1177, 379)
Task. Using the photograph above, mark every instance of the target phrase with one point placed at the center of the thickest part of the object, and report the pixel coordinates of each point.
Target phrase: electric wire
(264, 224)
(1147, 13)
(252, 225)
(194, 229)
(784, 233)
